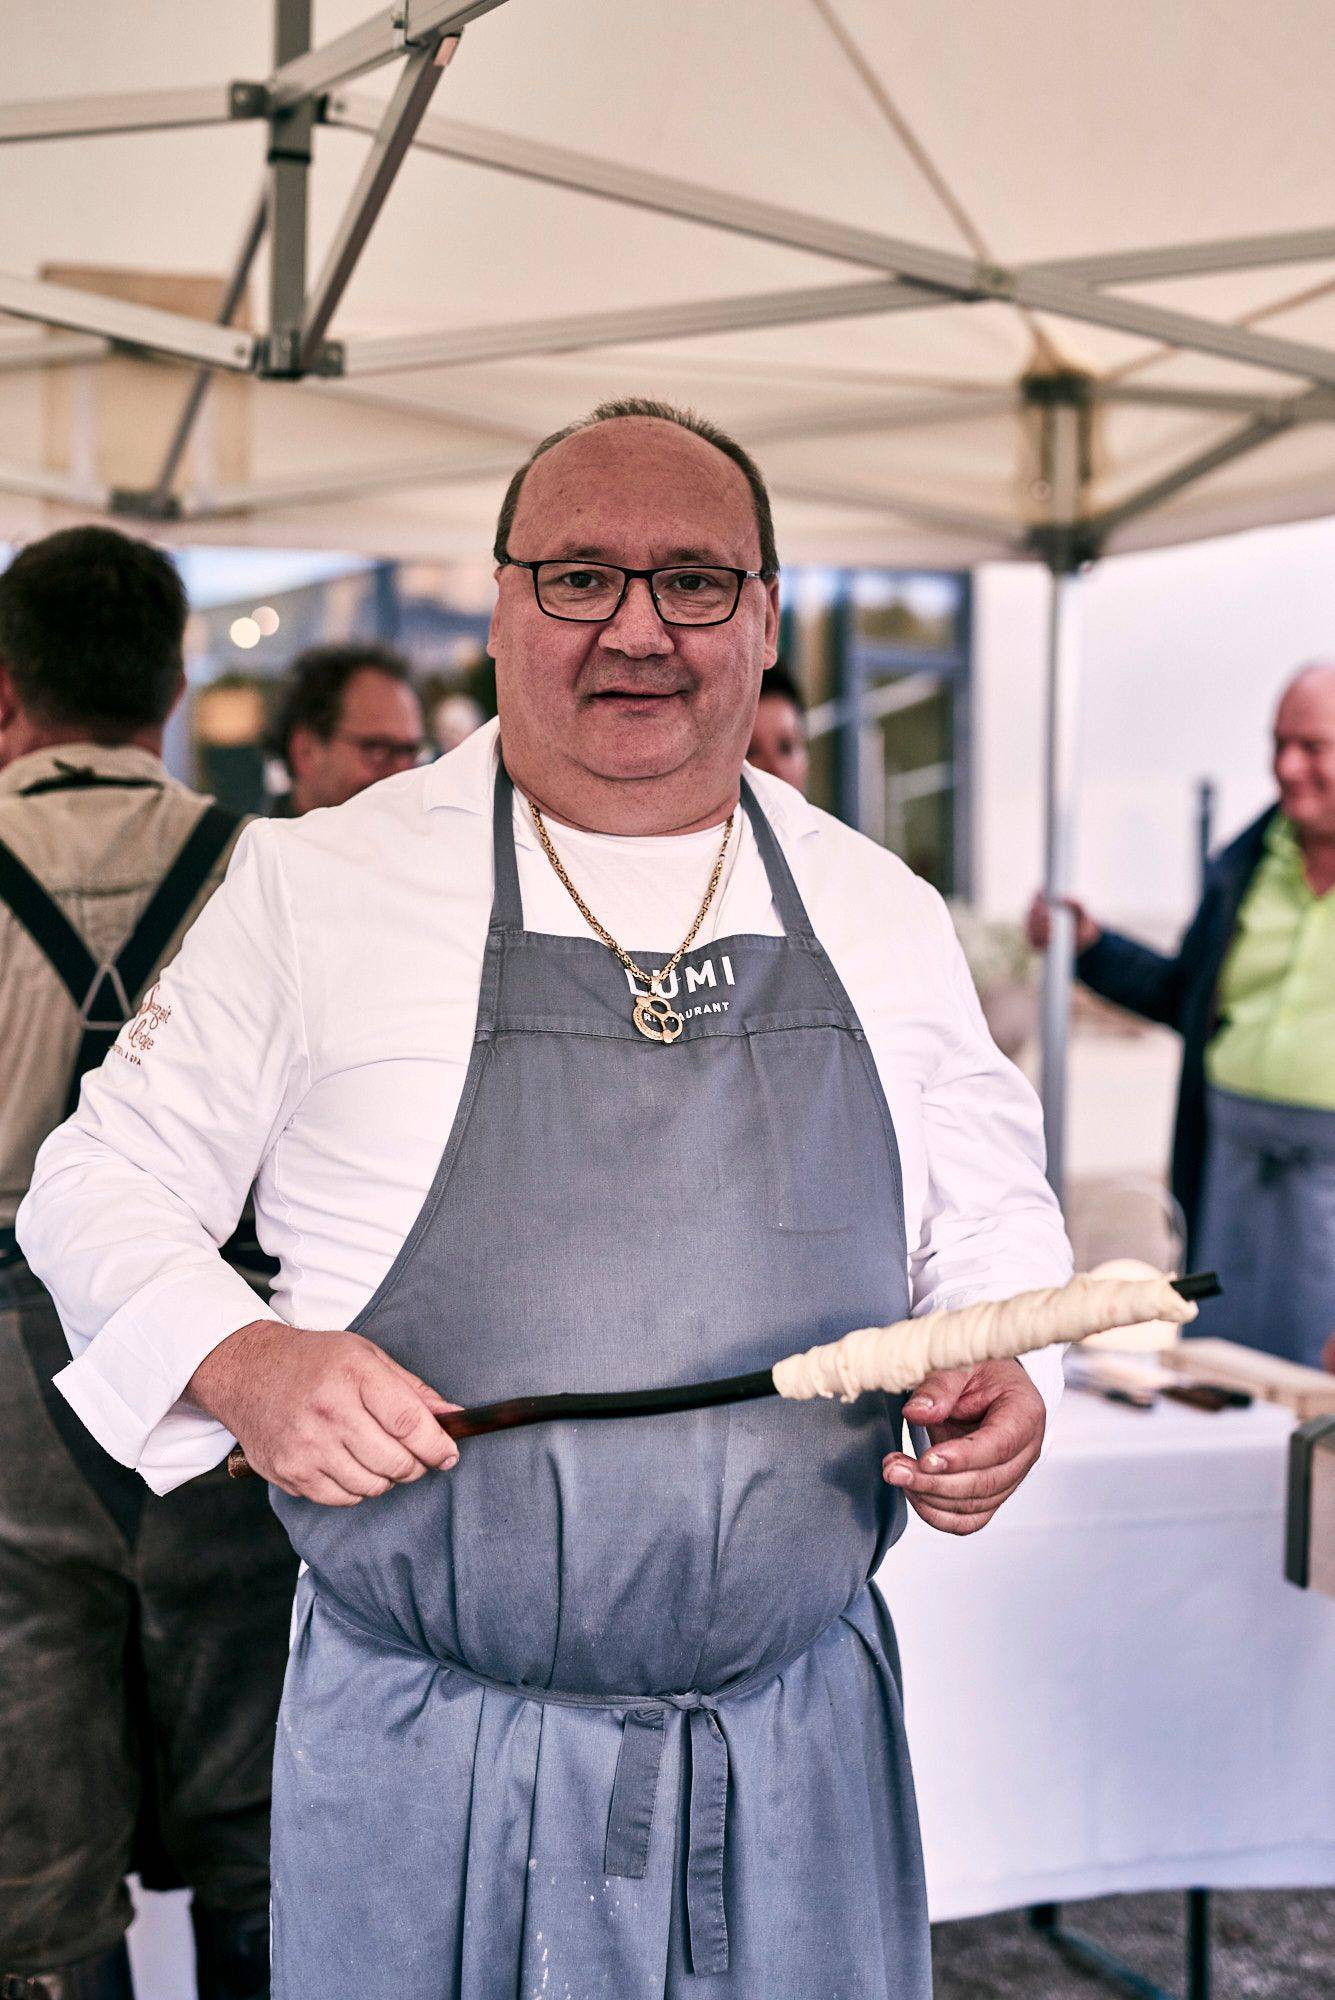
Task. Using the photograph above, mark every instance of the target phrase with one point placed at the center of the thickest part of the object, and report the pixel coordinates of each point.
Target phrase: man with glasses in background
(350, 717)
(581, 1707)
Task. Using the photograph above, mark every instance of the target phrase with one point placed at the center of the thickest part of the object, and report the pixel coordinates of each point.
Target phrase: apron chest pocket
(809, 1143)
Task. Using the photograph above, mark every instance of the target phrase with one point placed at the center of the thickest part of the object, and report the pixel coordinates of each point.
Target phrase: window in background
(883, 657)
(256, 610)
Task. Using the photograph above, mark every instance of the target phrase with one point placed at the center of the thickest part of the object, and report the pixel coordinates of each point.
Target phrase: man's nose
(637, 629)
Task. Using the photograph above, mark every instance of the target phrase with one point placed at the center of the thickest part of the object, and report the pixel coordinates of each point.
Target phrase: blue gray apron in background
(1268, 1225)
(611, 1710)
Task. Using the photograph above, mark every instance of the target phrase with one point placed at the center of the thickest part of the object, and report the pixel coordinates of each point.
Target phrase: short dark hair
(92, 630)
(778, 680)
(317, 680)
(667, 413)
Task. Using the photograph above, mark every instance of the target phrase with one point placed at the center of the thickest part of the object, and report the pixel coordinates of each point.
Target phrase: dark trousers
(143, 1642)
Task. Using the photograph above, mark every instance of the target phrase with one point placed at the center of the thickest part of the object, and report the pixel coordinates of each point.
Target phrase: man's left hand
(986, 1429)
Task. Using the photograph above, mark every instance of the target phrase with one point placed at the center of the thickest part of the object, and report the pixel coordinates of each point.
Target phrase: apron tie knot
(631, 1815)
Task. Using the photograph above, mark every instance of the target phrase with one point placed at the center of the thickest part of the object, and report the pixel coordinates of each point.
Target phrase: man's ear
(180, 690)
(302, 745)
(771, 622)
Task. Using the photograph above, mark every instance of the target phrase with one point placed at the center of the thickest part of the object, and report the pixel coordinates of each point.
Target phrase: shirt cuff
(126, 1386)
(1044, 1369)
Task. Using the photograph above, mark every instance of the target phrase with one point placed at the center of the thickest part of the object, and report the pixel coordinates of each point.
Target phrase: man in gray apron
(141, 1639)
(592, 1709)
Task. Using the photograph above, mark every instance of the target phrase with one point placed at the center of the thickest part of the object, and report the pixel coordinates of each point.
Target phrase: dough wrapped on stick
(896, 1358)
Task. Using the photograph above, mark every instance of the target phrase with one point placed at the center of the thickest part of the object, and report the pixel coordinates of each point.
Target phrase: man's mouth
(634, 694)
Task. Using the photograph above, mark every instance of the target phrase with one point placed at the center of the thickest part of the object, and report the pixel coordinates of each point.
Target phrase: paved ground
(1268, 1945)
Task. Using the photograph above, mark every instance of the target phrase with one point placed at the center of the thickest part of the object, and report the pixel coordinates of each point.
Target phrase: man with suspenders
(142, 1640)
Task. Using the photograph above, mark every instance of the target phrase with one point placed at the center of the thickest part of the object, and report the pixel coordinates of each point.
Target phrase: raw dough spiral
(896, 1358)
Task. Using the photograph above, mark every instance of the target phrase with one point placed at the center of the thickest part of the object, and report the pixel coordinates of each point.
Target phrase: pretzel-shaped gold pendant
(656, 1019)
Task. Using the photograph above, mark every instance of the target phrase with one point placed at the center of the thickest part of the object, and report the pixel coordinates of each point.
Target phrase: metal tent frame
(308, 86)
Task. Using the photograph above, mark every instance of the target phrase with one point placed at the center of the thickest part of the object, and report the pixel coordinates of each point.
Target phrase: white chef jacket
(313, 1034)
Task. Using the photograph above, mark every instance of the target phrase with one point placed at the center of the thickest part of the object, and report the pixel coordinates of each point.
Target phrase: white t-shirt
(314, 1032)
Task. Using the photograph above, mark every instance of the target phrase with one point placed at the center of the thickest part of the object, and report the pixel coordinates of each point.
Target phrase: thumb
(935, 1398)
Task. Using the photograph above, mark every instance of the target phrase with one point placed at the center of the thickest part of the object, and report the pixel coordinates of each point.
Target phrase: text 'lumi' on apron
(610, 1710)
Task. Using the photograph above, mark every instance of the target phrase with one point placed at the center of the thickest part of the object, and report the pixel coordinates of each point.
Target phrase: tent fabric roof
(991, 138)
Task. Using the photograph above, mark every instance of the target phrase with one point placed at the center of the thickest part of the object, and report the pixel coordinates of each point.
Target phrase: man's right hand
(326, 1416)
(1038, 923)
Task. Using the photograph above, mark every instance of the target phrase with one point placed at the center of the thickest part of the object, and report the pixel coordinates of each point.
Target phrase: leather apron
(611, 1708)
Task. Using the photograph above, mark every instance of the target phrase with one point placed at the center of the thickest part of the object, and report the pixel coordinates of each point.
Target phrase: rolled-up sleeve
(133, 1195)
(991, 1224)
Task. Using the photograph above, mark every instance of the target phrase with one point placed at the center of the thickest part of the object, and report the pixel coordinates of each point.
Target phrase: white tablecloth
(1112, 1687)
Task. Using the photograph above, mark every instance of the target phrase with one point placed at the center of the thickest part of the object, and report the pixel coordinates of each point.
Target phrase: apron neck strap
(507, 908)
(792, 910)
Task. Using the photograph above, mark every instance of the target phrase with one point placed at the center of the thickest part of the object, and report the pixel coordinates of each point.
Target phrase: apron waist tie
(630, 1815)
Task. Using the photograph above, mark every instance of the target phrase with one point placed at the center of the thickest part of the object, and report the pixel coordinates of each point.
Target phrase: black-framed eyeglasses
(589, 593)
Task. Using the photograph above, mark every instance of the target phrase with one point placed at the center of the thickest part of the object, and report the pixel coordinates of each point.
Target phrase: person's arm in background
(991, 1227)
(1122, 969)
(133, 1195)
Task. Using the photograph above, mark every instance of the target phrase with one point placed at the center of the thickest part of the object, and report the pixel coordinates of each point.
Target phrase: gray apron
(1268, 1225)
(611, 1709)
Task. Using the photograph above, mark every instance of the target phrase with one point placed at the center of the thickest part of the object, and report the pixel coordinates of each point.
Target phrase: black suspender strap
(106, 995)
(49, 928)
(84, 781)
(143, 950)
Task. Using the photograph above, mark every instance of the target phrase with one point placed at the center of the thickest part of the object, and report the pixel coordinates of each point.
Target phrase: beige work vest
(101, 853)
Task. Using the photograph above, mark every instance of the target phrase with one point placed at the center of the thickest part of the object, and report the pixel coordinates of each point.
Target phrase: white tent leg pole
(1059, 811)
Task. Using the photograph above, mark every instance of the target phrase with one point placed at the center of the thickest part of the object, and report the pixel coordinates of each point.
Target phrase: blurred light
(229, 715)
(267, 619)
(244, 632)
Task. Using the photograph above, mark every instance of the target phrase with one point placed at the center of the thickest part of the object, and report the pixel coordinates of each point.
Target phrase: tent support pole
(403, 114)
(1059, 959)
(158, 501)
(1062, 405)
(32, 483)
(383, 354)
(56, 350)
(290, 129)
(306, 74)
(130, 325)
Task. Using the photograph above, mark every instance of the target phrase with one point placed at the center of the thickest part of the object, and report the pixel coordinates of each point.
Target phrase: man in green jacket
(1251, 989)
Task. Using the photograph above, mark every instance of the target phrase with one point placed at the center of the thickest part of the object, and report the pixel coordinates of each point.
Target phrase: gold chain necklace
(653, 1015)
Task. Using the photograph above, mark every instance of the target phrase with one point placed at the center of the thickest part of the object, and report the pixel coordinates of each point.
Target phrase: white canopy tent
(1047, 280)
